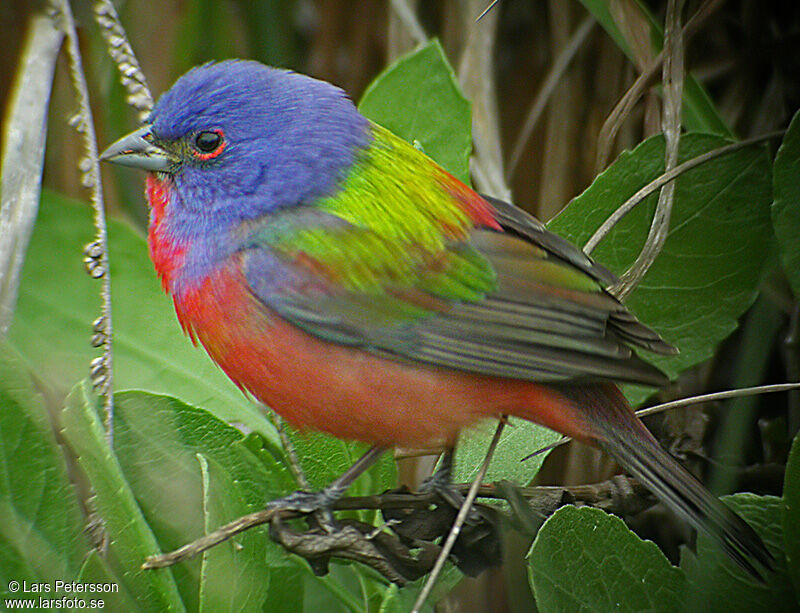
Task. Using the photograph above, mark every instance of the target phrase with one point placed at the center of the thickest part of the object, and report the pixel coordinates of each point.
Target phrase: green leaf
(287, 589)
(786, 208)
(791, 514)
(130, 538)
(234, 575)
(520, 438)
(58, 301)
(699, 112)
(340, 591)
(418, 98)
(157, 439)
(587, 560)
(41, 530)
(708, 272)
(750, 366)
(718, 584)
(323, 458)
(96, 570)
(401, 600)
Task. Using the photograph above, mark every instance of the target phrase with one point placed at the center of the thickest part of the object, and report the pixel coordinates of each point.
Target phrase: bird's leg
(397, 557)
(441, 482)
(320, 502)
(325, 538)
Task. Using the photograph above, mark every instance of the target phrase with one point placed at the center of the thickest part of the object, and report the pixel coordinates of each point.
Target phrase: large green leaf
(791, 514)
(708, 272)
(41, 530)
(95, 569)
(58, 301)
(158, 440)
(718, 585)
(418, 98)
(519, 439)
(235, 575)
(786, 208)
(130, 538)
(587, 560)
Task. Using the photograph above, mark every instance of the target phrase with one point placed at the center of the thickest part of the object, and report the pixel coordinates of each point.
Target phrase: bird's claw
(317, 505)
(302, 502)
(441, 484)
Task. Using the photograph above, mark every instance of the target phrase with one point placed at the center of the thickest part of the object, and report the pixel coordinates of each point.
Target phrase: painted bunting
(346, 280)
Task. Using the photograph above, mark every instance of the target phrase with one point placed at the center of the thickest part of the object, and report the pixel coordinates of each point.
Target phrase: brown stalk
(671, 126)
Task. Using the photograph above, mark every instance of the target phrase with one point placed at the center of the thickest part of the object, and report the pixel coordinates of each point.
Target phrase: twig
(738, 393)
(96, 252)
(671, 126)
(603, 494)
(557, 70)
(120, 50)
(460, 519)
(288, 446)
(683, 402)
(617, 116)
(486, 10)
(673, 174)
(214, 538)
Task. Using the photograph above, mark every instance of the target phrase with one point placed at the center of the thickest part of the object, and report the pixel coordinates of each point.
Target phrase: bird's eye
(209, 144)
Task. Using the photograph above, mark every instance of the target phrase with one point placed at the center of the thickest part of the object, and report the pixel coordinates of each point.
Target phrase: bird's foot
(324, 537)
(321, 502)
(317, 506)
(441, 483)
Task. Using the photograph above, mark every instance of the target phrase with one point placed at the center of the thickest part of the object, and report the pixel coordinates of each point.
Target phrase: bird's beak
(137, 150)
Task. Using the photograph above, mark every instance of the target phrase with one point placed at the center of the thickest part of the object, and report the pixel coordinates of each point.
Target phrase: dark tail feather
(621, 434)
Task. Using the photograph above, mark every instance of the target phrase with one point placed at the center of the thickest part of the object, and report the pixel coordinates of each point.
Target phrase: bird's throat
(166, 254)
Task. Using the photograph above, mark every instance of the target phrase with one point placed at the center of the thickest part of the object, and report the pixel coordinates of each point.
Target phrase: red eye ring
(208, 144)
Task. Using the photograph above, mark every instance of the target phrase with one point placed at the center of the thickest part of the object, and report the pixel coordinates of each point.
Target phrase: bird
(340, 276)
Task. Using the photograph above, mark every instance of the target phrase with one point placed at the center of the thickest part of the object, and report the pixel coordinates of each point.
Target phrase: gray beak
(138, 151)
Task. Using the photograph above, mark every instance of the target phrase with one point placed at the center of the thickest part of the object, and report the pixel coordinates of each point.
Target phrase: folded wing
(519, 302)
